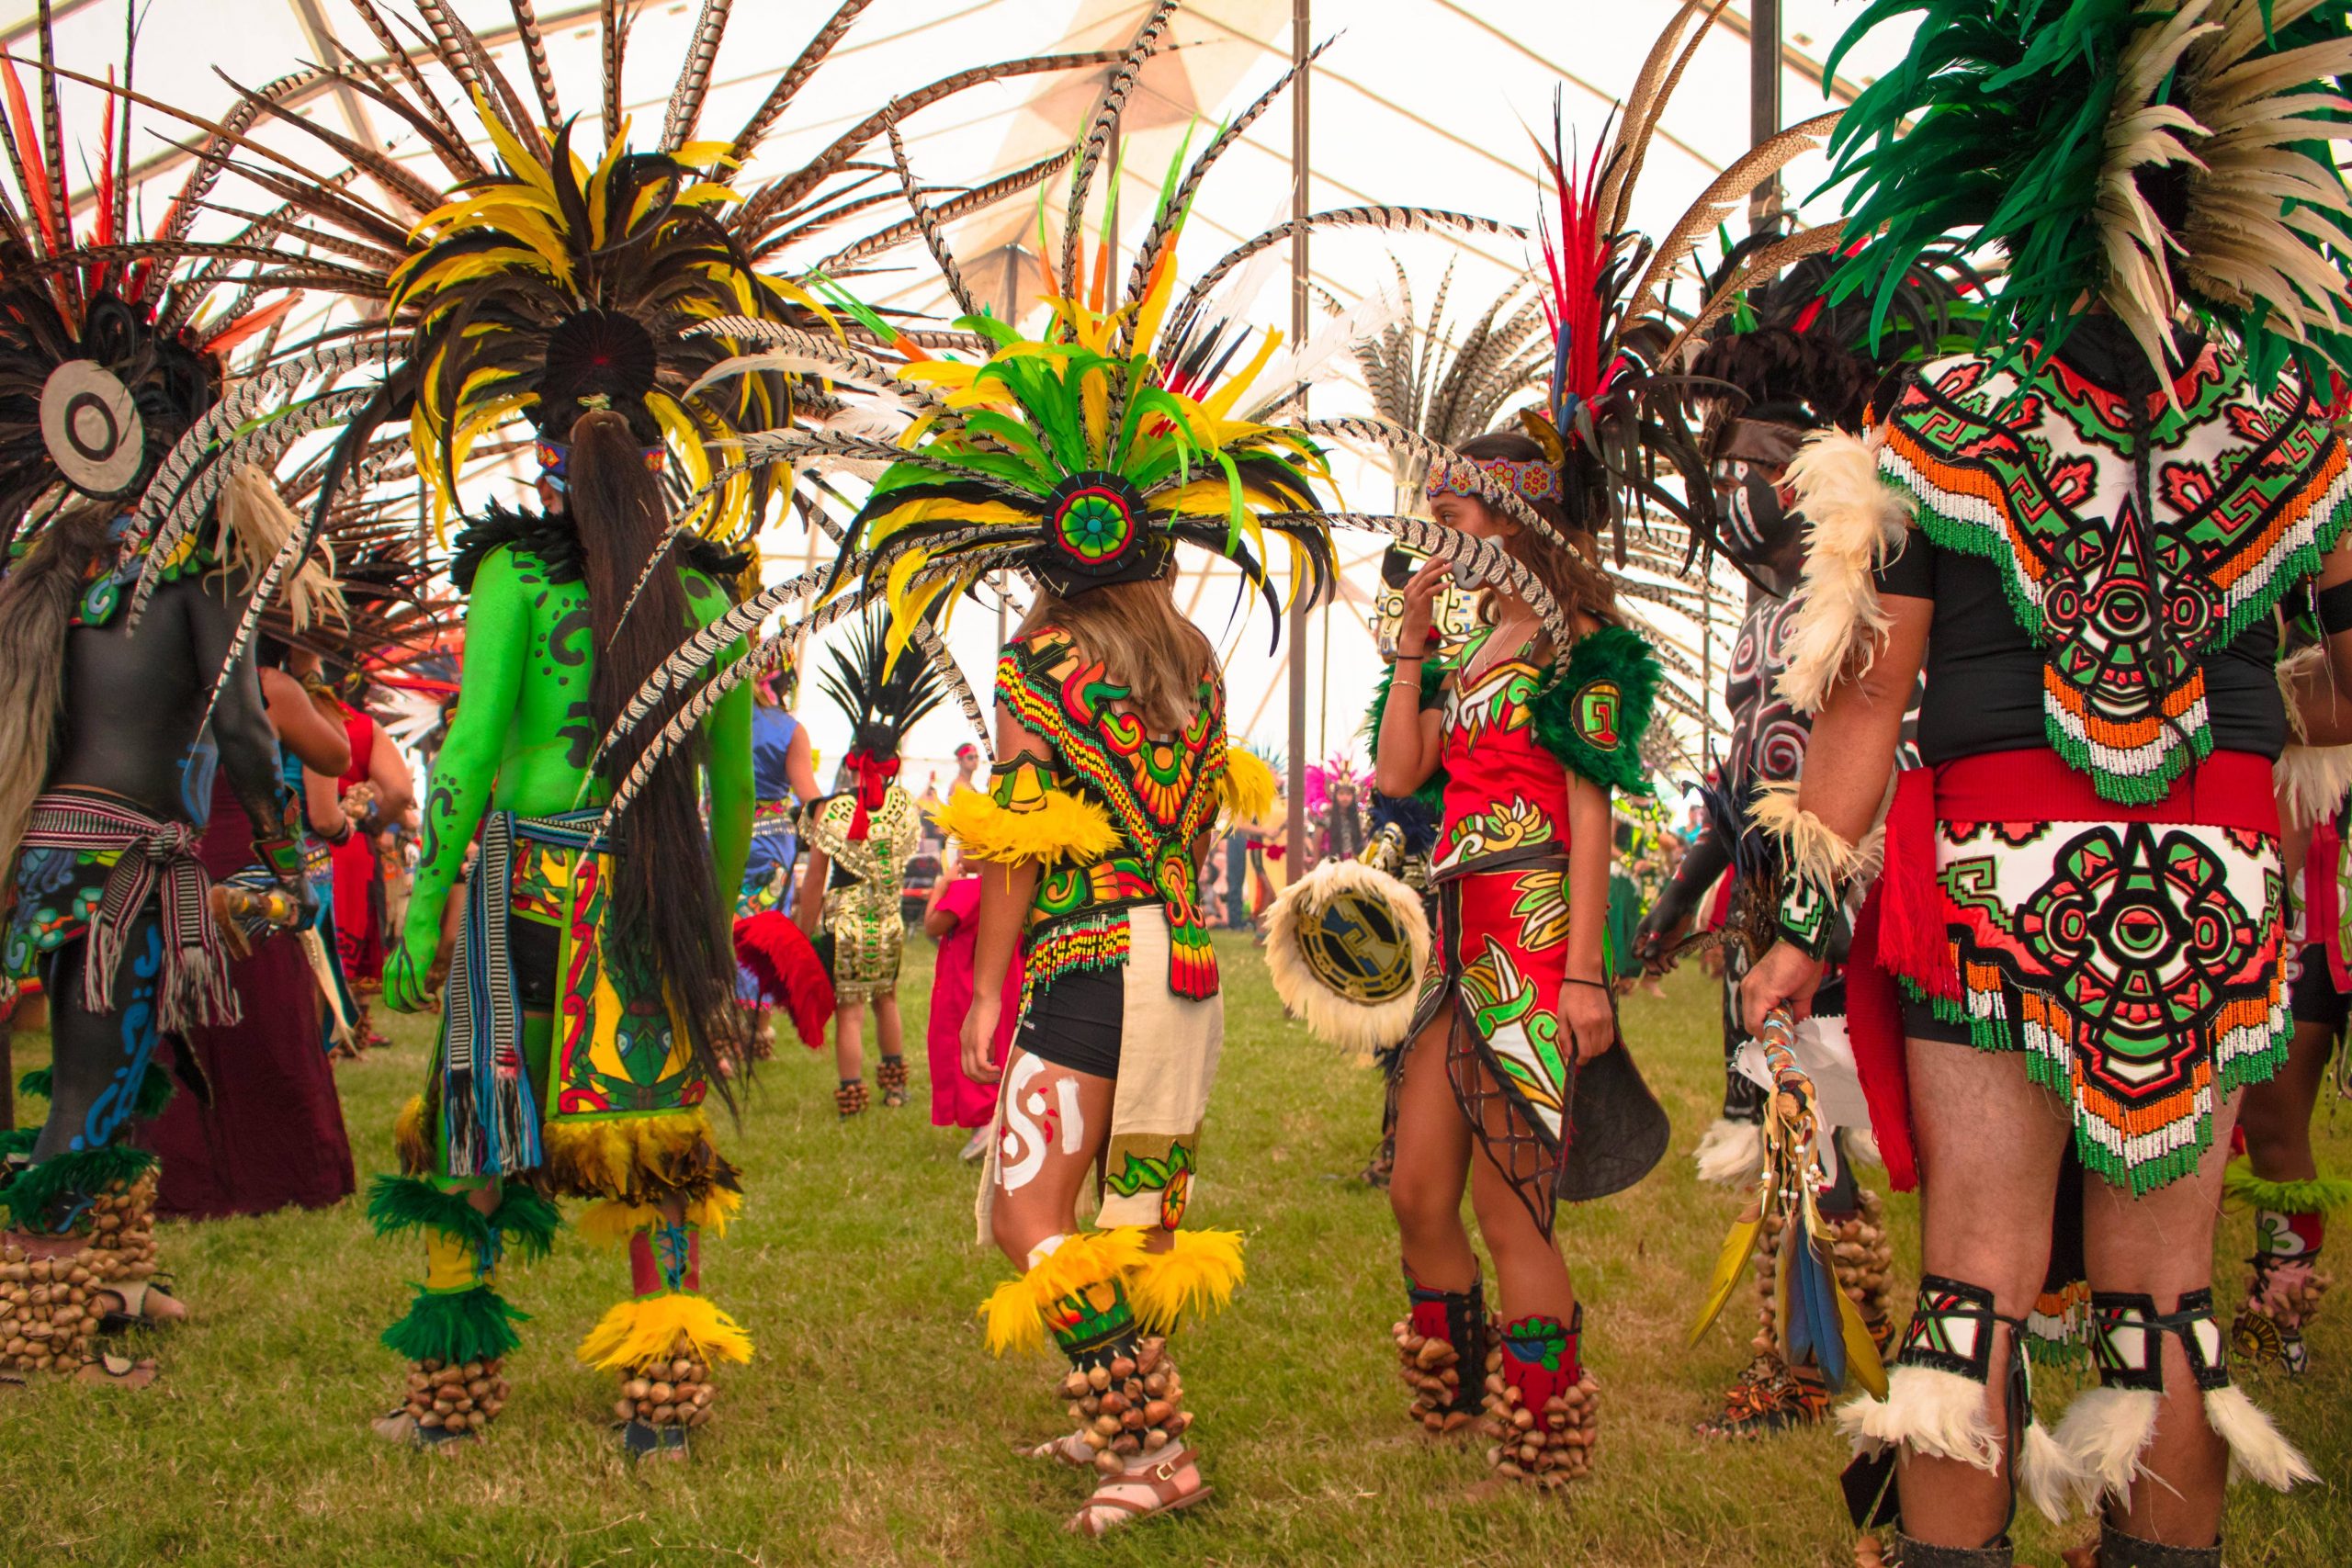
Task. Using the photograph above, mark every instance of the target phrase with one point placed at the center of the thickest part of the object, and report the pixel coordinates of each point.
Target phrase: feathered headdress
(1611, 413)
(103, 364)
(881, 697)
(2155, 155)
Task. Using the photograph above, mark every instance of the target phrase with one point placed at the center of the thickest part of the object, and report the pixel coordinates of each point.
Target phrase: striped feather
(1097, 140)
(1389, 219)
(1750, 169)
(795, 75)
(968, 202)
(933, 239)
(535, 56)
(694, 78)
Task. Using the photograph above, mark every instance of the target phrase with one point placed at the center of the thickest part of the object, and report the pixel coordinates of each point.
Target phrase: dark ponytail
(666, 922)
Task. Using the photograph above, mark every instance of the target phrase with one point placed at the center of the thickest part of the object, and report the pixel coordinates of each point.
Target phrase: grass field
(875, 1429)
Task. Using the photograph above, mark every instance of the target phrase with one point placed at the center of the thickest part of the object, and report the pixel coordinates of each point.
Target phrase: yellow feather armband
(1249, 787)
(1046, 826)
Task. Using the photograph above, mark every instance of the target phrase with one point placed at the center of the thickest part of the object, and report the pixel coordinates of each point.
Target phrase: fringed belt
(486, 1100)
(194, 986)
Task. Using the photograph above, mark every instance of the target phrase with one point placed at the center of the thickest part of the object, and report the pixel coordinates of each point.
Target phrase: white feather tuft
(1731, 1151)
(1928, 1411)
(2311, 782)
(1861, 1147)
(1855, 522)
(2257, 1452)
(2046, 1475)
(1356, 1027)
(2103, 1434)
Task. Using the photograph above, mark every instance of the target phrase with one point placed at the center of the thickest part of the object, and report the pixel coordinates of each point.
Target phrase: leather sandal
(1157, 1481)
(135, 1311)
(1069, 1450)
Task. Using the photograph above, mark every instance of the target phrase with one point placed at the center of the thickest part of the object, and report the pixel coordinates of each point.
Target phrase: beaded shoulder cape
(1160, 794)
(2134, 534)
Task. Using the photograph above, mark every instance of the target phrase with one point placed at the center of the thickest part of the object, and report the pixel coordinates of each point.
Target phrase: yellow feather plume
(412, 1139)
(1250, 790)
(630, 1158)
(1731, 1267)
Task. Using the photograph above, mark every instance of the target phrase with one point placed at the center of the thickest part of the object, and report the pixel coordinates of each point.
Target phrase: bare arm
(1848, 762)
(1410, 744)
(811, 905)
(1584, 999)
(241, 727)
(388, 771)
(322, 805)
(1006, 895)
(318, 740)
(799, 766)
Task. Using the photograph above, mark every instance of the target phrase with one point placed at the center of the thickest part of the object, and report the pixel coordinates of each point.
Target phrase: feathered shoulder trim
(1855, 524)
(556, 543)
(1434, 669)
(1248, 785)
(1032, 822)
(1594, 717)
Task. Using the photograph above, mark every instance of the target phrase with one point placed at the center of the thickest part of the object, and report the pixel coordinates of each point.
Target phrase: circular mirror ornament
(92, 428)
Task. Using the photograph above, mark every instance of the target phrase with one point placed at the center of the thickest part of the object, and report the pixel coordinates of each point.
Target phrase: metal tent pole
(1301, 26)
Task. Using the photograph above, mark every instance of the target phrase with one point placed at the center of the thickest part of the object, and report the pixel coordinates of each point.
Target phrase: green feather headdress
(2167, 158)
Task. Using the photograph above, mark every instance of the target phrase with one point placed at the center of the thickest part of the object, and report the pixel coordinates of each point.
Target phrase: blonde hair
(1141, 640)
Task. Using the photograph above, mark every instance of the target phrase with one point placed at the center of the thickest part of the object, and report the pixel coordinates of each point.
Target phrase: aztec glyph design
(2133, 535)
(2138, 965)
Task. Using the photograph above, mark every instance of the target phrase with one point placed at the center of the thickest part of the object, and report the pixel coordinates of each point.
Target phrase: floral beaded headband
(1537, 480)
(555, 462)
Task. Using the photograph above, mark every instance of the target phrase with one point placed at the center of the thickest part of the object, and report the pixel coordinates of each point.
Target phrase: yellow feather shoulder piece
(1049, 827)
(1250, 788)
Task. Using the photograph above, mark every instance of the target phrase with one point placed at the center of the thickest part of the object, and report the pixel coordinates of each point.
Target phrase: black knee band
(2127, 1337)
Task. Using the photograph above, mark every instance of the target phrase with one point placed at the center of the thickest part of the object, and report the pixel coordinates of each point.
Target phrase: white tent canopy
(1417, 101)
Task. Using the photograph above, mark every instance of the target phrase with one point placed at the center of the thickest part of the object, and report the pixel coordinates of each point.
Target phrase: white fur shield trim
(1731, 1151)
(1333, 1018)
(1930, 1412)
(2104, 1433)
(2311, 782)
(2257, 1452)
(1855, 522)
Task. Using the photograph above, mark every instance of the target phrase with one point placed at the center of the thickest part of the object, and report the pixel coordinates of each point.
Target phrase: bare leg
(885, 1024)
(2161, 1245)
(1432, 1161)
(2277, 1115)
(1531, 1278)
(1990, 1145)
(849, 1045)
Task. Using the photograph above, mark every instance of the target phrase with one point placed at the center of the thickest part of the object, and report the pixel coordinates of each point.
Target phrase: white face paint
(1032, 1123)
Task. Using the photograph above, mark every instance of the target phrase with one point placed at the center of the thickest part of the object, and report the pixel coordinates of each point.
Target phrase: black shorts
(2315, 998)
(1076, 1021)
(1920, 1022)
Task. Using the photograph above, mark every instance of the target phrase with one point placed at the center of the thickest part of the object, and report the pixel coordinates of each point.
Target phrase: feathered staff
(1819, 1322)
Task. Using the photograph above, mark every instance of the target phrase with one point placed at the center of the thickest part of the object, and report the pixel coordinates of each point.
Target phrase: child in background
(957, 1099)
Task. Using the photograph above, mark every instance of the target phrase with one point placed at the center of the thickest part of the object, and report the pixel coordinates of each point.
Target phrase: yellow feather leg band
(610, 1222)
(1249, 787)
(1050, 828)
(657, 1328)
(1015, 1310)
(630, 1158)
(1197, 1275)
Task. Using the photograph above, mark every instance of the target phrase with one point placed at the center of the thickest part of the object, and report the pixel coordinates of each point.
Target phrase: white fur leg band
(2106, 1431)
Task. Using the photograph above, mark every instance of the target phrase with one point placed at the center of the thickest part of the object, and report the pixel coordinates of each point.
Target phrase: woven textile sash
(491, 1113)
(194, 986)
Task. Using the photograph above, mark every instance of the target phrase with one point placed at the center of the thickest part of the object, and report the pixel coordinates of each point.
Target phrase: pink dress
(957, 1100)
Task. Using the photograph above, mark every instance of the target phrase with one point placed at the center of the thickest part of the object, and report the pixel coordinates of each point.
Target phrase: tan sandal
(1114, 1504)
(139, 1298)
(117, 1371)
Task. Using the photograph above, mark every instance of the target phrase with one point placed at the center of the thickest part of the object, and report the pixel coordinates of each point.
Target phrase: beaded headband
(1537, 480)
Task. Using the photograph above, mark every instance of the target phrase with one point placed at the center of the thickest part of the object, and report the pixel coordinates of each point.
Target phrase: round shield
(92, 428)
(1356, 946)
